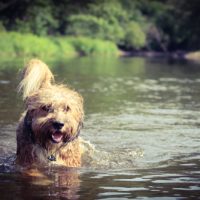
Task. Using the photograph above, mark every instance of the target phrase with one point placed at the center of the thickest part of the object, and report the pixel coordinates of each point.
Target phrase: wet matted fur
(48, 131)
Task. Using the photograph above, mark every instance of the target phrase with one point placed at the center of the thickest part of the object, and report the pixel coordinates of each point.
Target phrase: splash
(109, 159)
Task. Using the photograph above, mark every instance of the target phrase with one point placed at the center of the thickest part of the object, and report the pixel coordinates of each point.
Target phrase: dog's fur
(51, 122)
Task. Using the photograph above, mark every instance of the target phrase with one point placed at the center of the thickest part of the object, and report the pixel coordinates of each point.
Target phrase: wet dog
(48, 131)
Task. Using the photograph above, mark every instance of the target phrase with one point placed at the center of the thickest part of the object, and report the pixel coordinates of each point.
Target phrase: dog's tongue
(57, 137)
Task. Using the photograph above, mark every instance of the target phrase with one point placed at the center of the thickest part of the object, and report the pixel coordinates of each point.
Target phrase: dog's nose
(58, 125)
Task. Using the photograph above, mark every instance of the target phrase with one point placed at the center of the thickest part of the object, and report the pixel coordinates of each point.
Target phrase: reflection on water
(52, 184)
(141, 132)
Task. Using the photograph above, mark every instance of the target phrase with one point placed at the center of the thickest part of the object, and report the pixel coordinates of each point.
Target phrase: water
(141, 132)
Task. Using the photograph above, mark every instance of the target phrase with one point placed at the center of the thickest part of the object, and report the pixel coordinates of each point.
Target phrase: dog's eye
(47, 108)
(66, 109)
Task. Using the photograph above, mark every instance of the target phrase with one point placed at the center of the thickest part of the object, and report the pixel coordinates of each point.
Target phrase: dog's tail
(35, 76)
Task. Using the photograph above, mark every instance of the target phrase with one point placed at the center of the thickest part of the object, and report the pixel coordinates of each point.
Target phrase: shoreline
(15, 45)
(156, 54)
(176, 55)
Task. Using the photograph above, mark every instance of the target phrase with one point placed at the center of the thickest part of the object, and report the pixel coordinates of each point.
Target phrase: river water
(141, 131)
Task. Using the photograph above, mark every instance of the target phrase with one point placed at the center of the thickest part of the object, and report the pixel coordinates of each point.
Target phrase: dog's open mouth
(57, 137)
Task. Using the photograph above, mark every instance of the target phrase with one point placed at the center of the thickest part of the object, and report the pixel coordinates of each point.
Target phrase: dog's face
(55, 114)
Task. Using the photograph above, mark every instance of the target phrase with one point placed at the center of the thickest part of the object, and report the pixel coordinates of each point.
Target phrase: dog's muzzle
(58, 125)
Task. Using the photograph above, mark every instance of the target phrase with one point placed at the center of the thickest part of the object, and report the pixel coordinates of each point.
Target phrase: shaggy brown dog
(49, 128)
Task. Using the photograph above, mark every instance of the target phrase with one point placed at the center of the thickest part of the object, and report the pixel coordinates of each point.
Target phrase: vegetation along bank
(85, 26)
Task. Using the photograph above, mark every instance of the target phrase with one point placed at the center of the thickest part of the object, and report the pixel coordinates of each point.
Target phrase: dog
(48, 130)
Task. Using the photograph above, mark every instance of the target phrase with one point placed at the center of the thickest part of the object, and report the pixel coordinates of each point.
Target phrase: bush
(2, 28)
(17, 44)
(134, 36)
(6, 45)
(31, 45)
(87, 46)
(65, 48)
(94, 27)
(39, 18)
(109, 20)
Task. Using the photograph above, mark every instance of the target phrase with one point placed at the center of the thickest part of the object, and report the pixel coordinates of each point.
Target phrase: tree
(134, 36)
(186, 15)
(107, 20)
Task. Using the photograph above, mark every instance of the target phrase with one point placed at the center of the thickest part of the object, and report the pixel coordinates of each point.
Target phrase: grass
(14, 44)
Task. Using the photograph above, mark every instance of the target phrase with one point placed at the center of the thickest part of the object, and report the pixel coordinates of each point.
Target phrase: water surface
(141, 131)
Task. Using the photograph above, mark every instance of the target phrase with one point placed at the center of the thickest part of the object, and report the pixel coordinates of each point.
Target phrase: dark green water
(141, 132)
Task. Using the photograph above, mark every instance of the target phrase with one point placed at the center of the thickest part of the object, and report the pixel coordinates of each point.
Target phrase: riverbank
(193, 56)
(156, 54)
(14, 44)
(176, 55)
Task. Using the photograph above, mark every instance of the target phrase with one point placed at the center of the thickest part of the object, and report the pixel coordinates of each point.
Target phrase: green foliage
(38, 18)
(86, 25)
(88, 46)
(131, 24)
(108, 20)
(94, 27)
(186, 29)
(134, 36)
(111, 11)
(103, 20)
(27, 44)
(65, 48)
(14, 44)
(6, 45)
(2, 28)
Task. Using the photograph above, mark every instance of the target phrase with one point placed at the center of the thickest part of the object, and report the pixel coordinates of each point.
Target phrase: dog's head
(54, 115)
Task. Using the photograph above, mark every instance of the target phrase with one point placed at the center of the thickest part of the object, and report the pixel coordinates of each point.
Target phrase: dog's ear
(27, 127)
